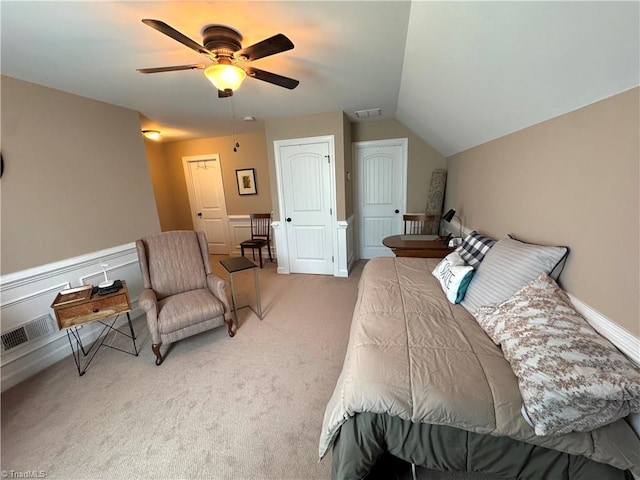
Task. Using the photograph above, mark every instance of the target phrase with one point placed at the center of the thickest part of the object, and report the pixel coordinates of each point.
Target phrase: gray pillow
(507, 267)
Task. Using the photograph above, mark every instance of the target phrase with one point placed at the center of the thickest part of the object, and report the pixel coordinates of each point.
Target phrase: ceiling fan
(222, 46)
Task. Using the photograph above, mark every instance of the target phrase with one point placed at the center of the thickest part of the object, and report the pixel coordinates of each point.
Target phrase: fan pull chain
(233, 120)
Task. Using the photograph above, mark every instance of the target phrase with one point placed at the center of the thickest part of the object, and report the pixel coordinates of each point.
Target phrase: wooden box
(89, 308)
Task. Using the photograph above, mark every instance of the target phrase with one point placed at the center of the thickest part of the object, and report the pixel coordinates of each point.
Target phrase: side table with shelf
(83, 305)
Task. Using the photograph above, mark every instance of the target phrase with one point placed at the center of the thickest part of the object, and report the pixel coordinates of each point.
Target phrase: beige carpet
(248, 407)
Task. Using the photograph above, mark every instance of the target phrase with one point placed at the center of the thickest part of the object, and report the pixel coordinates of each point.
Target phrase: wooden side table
(84, 305)
(417, 246)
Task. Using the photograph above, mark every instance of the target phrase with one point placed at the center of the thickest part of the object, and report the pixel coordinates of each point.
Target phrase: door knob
(200, 214)
(288, 219)
(397, 211)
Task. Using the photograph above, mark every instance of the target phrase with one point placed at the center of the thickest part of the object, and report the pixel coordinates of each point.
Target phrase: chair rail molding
(239, 230)
(27, 295)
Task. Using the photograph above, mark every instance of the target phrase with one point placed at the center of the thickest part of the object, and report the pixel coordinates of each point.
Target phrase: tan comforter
(414, 355)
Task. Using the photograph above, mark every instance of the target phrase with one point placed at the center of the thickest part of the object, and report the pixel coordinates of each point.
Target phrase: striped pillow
(474, 248)
(508, 266)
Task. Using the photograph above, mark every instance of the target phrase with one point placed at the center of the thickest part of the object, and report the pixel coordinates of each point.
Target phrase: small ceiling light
(151, 134)
(224, 75)
(249, 118)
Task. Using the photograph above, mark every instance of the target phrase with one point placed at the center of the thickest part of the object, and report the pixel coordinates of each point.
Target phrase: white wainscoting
(27, 295)
(240, 230)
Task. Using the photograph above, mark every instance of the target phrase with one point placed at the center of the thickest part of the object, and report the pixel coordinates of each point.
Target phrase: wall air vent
(39, 327)
(372, 112)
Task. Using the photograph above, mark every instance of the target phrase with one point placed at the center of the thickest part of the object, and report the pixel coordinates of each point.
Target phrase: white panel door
(307, 200)
(381, 193)
(206, 196)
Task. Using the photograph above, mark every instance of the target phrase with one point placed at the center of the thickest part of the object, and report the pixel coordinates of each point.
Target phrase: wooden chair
(260, 235)
(419, 224)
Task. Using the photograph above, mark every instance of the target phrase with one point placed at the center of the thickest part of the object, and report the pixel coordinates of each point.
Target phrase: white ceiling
(456, 73)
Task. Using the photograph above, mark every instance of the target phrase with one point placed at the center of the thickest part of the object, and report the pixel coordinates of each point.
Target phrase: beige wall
(347, 167)
(256, 151)
(422, 157)
(162, 184)
(310, 126)
(347, 174)
(174, 199)
(572, 180)
(75, 180)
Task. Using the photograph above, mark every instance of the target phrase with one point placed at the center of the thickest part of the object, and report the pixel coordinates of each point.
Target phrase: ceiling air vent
(372, 112)
(39, 327)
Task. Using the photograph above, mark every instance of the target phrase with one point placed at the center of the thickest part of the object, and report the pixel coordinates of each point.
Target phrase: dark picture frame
(246, 178)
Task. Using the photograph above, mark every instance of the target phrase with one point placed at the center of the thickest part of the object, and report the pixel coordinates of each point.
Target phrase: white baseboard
(57, 348)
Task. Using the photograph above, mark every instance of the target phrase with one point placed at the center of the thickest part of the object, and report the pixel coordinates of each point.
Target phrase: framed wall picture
(246, 181)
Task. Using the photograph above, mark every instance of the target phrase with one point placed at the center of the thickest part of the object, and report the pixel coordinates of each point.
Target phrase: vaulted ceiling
(456, 73)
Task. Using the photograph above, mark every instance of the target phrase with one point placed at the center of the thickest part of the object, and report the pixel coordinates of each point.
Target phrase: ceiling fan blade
(176, 35)
(197, 66)
(274, 78)
(276, 44)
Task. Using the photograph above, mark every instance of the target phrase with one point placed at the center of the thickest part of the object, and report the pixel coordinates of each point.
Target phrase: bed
(423, 381)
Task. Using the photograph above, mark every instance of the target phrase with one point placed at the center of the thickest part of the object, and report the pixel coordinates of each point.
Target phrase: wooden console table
(84, 305)
(423, 246)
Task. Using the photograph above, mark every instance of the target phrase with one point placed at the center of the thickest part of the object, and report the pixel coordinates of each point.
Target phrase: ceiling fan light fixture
(151, 134)
(225, 76)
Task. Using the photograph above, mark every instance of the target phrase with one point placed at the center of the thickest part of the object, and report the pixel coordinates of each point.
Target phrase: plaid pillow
(474, 248)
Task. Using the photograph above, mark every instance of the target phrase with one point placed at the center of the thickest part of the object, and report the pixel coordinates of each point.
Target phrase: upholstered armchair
(182, 297)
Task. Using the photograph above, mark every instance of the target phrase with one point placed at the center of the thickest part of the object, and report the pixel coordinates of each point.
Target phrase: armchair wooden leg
(230, 327)
(156, 349)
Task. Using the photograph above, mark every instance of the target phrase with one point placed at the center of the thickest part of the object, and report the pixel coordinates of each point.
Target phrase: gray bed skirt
(366, 437)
